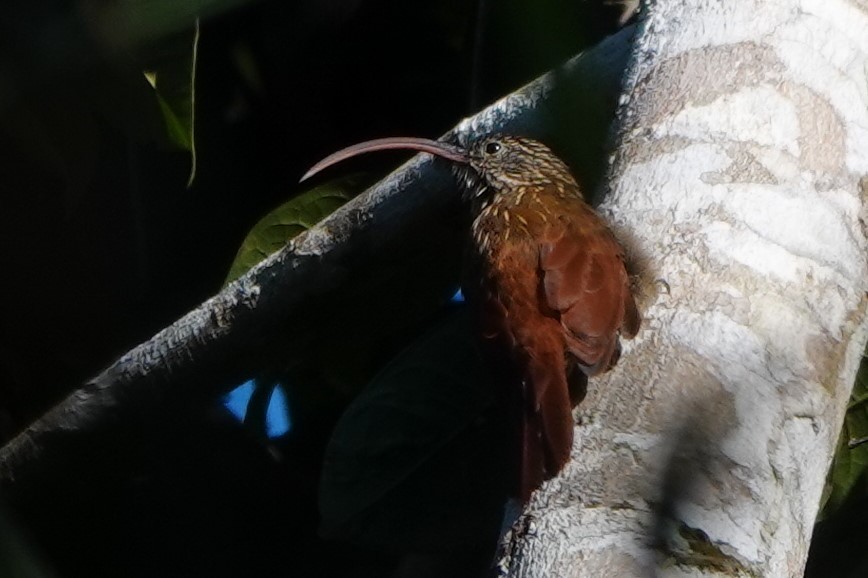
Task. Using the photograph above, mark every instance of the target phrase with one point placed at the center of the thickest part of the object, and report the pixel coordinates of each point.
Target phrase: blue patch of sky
(276, 416)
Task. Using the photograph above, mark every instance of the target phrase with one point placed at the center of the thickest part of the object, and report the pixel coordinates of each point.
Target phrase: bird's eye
(492, 148)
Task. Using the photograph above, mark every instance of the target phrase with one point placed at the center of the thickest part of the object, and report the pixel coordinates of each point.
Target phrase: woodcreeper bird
(546, 278)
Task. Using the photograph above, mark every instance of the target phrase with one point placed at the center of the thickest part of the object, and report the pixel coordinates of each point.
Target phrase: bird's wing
(584, 280)
(509, 306)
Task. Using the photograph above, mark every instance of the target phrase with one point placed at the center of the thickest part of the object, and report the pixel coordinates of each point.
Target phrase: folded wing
(584, 280)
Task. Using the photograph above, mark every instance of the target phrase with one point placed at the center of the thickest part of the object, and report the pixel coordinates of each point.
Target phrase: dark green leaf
(418, 458)
(130, 24)
(301, 213)
(849, 467)
(173, 77)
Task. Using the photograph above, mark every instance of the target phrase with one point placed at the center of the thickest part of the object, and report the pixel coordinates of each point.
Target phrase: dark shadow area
(102, 244)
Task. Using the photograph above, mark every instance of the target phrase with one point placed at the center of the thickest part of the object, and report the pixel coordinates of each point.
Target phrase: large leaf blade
(291, 218)
(421, 455)
(173, 77)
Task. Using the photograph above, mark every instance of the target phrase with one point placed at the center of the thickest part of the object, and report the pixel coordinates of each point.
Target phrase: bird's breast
(515, 216)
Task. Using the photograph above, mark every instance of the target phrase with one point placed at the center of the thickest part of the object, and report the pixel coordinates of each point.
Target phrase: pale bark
(740, 186)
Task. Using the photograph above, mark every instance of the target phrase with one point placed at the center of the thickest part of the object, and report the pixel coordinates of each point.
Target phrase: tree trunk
(740, 186)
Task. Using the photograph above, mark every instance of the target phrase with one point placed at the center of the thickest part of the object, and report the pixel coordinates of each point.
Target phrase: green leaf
(130, 24)
(419, 457)
(849, 472)
(301, 213)
(172, 74)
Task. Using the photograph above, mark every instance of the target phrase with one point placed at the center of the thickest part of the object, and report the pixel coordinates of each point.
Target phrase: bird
(546, 278)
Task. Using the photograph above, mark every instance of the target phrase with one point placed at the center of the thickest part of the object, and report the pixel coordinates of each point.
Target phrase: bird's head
(487, 166)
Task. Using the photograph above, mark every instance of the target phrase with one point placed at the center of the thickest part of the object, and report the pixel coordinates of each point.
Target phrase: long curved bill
(419, 144)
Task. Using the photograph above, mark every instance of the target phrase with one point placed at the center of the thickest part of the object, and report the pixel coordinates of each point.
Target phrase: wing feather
(585, 281)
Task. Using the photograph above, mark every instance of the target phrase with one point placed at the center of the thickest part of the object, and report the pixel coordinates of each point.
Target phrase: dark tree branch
(230, 336)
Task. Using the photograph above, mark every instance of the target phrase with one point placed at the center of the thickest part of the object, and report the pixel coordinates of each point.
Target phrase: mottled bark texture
(739, 184)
